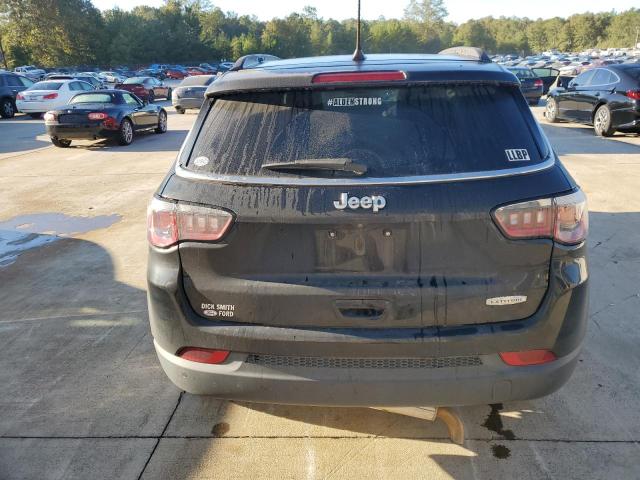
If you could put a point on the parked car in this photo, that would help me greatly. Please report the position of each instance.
(175, 74)
(11, 85)
(548, 75)
(607, 98)
(112, 77)
(224, 66)
(190, 92)
(112, 114)
(209, 67)
(530, 85)
(30, 72)
(49, 95)
(147, 88)
(196, 71)
(371, 233)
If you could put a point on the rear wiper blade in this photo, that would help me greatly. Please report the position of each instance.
(341, 164)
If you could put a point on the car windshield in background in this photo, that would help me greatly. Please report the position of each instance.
(46, 86)
(392, 132)
(196, 80)
(522, 73)
(93, 98)
(134, 80)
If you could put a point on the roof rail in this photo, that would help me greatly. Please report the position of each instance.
(471, 53)
(252, 61)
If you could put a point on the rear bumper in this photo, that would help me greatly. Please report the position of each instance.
(491, 382)
(559, 325)
(187, 103)
(80, 132)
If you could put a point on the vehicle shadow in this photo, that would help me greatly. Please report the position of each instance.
(19, 134)
(569, 139)
(145, 141)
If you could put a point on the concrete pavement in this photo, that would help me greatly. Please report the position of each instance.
(83, 396)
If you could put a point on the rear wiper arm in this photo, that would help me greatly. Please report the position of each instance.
(341, 164)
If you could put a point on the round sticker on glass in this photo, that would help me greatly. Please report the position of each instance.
(200, 161)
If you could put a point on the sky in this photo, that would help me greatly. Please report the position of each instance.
(459, 10)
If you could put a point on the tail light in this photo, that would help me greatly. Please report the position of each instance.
(50, 96)
(169, 223)
(537, 83)
(97, 116)
(50, 117)
(203, 355)
(111, 123)
(564, 219)
(633, 94)
(358, 77)
(19, 97)
(528, 357)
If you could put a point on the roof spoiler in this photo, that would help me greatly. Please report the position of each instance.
(252, 60)
(470, 53)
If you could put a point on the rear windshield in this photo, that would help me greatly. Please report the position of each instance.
(93, 98)
(422, 130)
(197, 80)
(522, 73)
(46, 86)
(134, 80)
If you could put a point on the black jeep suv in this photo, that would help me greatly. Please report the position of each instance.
(395, 231)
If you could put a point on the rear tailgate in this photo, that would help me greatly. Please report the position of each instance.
(431, 255)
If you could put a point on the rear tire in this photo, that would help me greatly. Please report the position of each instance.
(602, 122)
(7, 110)
(180, 110)
(551, 110)
(125, 136)
(162, 122)
(35, 115)
(60, 142)
(151, 97)
(169, 94)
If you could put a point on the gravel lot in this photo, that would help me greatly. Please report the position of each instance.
(83, 395)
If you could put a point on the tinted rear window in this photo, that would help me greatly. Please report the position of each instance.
(523, 73)
(197, 80)
(422, 130)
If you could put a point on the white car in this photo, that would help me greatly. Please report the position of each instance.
(49, 95)
(30, 72)
(112, 77)
(97, 76)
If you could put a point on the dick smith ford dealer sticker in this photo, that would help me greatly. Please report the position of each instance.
(218, 309)
(517, 155)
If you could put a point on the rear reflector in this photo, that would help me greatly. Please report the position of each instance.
(633, 94)
(168, 223)
(564, 219)
(528, 357)
(359, 77)
(203, 355)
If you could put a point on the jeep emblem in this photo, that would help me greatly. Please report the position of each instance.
(375, 202)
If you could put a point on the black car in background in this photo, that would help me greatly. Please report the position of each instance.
(113, 114)
(10, 85)
(531, 86)
(190, 92)
(393, 231)
(607, 98)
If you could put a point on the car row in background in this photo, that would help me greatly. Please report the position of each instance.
(606, 97)
(103, 114)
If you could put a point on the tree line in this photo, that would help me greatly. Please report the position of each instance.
(75, 32)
